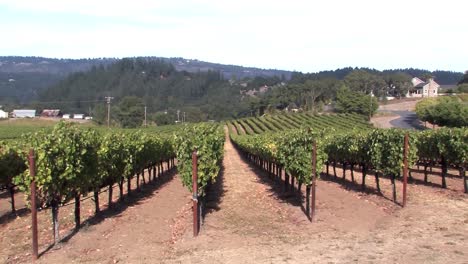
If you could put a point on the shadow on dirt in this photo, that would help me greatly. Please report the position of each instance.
(214, 193)
(128, 200)
(286, 193)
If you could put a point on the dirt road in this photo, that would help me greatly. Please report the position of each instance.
(399, 114)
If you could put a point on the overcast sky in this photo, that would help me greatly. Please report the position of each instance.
(306, 36)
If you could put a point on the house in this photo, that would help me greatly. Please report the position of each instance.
(423, 89)
(50, 113)
(3, 114)
(78, 116)
(66, 116)
(22, 113)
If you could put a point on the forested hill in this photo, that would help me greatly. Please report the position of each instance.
(442, 77)
(23, 78)
(154, 83)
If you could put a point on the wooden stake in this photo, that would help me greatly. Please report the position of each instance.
(32, 171)
(405, 169)
(195, 193)
(314, 173)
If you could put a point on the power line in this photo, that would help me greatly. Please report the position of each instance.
(66, 102)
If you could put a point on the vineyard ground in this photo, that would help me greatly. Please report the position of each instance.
(142, 220)
(250, 220)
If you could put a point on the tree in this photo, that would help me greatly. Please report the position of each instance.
(162, 118)
(463, 88)
(365, 82)
(130, 112)
(348, 101)
(443, 111)
(398, 83)
(427, 76)
(423, 109)
(316, 89)
(464, 79)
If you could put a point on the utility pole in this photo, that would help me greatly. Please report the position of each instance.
(178, 112)
(108, 99)
(145, 115)
(184, 117)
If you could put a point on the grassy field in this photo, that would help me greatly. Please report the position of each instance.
(463, 97)
(14, 128)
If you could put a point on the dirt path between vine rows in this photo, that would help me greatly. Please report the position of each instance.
(254, 222)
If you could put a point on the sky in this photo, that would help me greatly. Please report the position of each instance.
(298, 35)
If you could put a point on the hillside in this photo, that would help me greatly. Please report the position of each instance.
(22, 79)
(156, 84)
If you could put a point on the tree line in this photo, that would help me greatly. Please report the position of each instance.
(169, 95)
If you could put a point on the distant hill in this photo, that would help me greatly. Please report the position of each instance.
(155, 82)
(22, 79)
(442, 77)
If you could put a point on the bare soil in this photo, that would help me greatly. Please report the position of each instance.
(400, 105)
(383, 121)
(249, 219)
(391, 111)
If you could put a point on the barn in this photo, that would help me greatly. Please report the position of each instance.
(3, 114)
(22, 113)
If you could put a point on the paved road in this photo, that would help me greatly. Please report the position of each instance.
(407, 119)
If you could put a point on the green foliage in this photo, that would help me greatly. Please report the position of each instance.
(443, 111)
(208, 141)
(463, 88)
(424, 108)
(399, 83)
(113, 157)
(66, 162)
(464, 78)
(14, 129)
(377, 149)
(449, 143)
(463, 97)
(202, 95)
(386, 150)
(11, 164)
(348, 101)
(71, 160)
(130, 112)
(161, 118)
(295, 152)
(381, 149)
(365, 82)
(281, 122)
(308, 94)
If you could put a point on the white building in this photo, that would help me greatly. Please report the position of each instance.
(3, 114)
(78, 116)
(66, 116)
(22, 113)
(424, 89)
